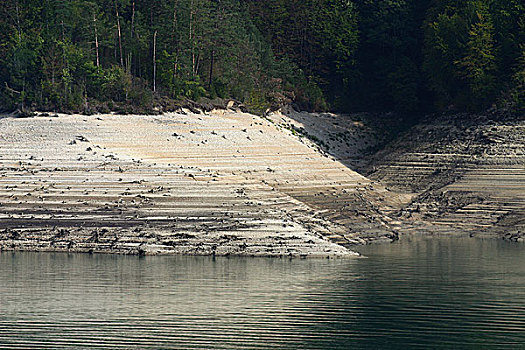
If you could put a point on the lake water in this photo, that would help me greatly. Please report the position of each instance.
(427, 293)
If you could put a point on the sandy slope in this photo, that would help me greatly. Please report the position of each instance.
(224, 183)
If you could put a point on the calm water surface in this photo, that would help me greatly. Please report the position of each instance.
(428, 293)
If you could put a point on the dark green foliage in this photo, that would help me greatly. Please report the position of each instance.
(401, 55)
(516, 95)
(388, 58)
(65, 54)
(397, 55)
(319, 36)
(472, 51)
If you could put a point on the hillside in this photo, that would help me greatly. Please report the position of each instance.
(464, 172)
(232, 183)
(221, 183)
(468, 172)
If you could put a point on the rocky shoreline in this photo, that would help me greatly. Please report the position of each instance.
(225, 182)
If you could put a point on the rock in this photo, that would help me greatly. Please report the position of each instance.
(22, 113)
(81, 138)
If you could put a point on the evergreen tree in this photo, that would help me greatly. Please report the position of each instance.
(478, 64)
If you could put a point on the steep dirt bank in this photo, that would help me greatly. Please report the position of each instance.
(468, 172)
(225, 183)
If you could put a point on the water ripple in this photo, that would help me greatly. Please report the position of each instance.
(440, 294)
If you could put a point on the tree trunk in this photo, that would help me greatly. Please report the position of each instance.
(119, 36)
(175, 41)
(19, 29)
(154, 62)
(212, 53)
(130, 55)
(191, 41)
(96, 38)
(197, 63)
(132, 19)
(212, 59)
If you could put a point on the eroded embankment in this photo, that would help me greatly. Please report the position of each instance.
(468, 172)
(221, 183)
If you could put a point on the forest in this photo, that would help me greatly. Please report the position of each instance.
(406, 56)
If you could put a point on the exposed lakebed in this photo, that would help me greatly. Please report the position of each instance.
(424, 293)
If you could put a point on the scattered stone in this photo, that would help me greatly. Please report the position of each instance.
(81, 138)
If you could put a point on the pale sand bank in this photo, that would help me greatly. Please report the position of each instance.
(225, 183)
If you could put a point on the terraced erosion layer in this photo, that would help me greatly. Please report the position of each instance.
(225, 183)
(468, 172)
